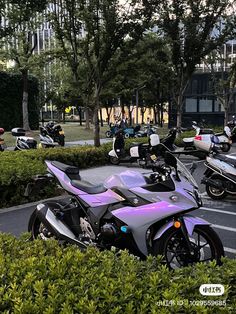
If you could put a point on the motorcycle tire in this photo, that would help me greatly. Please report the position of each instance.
(172, 242)
(114, 160)
(108, 134)
(61, 141)
(126, 135)
(225, 147)
(214, 193)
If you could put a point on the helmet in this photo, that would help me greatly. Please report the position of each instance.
(2, 131)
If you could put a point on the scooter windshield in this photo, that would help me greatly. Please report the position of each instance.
(185, 173)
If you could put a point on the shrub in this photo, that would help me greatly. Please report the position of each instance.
(43, 277)
(17, 168)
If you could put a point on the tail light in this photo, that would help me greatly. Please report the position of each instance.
(198, 137)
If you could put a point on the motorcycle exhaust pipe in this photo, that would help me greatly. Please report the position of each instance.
(56, 226)
(215, 184)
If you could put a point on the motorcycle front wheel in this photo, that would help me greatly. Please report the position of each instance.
(205, 244)
(61, 141)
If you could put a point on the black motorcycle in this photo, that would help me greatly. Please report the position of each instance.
(55, 132)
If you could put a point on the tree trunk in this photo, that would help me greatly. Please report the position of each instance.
(155, 114)
(25, 113)
(96, 118)
(179, 110)
(63, 116)
(87, 123)
(108, 110)
(80, 116)
(101, 120)
(226, 115)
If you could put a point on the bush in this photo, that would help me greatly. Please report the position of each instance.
(43, 277)
(17, 169)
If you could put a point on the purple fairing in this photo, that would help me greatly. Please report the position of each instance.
(93, 200)
(127, 179)
(145, 214)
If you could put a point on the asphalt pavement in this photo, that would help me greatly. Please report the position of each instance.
(221, 214)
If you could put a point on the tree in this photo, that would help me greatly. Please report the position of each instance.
(96, 30)
(193, 29)
(23, 18)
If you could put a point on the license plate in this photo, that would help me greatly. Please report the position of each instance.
(61, 132)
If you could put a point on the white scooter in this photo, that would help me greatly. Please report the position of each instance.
(206, 134)
(137, 151)
(23, 142)
(220, 175)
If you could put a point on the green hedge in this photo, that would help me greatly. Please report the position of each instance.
(43, 277)
(18, 167)
(11, 92)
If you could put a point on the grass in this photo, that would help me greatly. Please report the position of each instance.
(73, 132)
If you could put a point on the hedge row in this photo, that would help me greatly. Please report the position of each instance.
(18, 167)
(43, 277)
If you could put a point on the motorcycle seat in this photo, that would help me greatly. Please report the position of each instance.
(188, 139)
(224, 158)
(219, 134)
(71, 171)
(88, 187)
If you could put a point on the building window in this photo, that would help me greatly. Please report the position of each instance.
(205, 105)
(191, 105)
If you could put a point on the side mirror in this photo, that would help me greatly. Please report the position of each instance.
(170, 160)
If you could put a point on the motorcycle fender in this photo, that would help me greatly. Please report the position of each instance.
(112, 153)
(190, 223)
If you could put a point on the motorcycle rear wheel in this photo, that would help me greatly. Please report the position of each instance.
(214, 193)
(225, 147)
(205, 242)
(108, 134)
(114, 160)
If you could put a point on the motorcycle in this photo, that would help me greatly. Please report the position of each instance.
(147, 131)
(220, 175)
(137, 152)
(55, 132)
(2, 143)
(23, 142)
(169, 142)
(45, 140)
(98, 216)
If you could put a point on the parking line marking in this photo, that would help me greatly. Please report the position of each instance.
(218, 211)
(229, 250)
(224, 228)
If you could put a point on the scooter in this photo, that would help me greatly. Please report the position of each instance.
(169, 142)
(45, 140)
(55, 132)
(220, 175)
(2, 143)
(97, 216)
(137, 152)
(23, 142)
(206, 134)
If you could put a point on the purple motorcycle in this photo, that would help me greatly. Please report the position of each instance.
(146, 215)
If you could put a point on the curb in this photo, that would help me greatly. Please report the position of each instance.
(27, 205)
